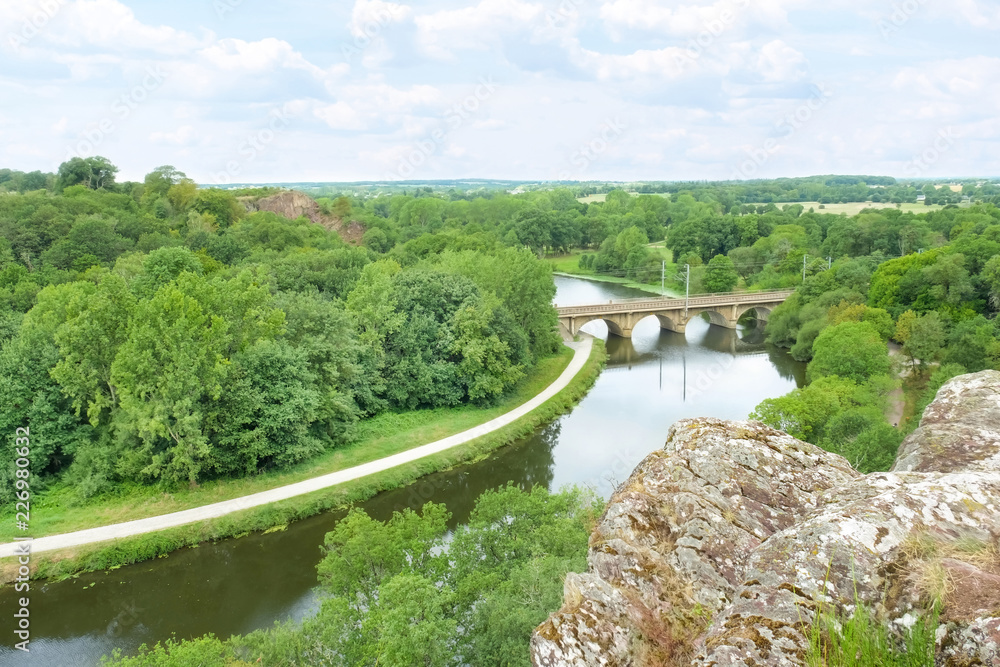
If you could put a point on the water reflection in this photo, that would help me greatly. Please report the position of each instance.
(236, 586)
(658, 377)
(527, 463)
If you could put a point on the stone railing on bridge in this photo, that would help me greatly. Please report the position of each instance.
(673, 314)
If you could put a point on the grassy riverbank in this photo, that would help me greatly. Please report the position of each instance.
(569, 265)
(382, 436)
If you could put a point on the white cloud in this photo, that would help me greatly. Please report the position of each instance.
(254, 57)
(389, 100)
(779, 62)
(182, 136)
(478, 27)
(977, 13)
(667, 63)
(370, 17)
(564, 67)
(340, 116)
(112, 26)
(971, 84)
(694, 20)
(491, 124)
(774, 62)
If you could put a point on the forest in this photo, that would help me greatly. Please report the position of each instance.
(927, 285)
(159, 334)
(162, 334)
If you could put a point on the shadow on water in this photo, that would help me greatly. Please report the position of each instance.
(235, 586)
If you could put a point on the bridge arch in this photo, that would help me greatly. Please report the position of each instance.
(762, 313)
(717, 318)
(614, 327)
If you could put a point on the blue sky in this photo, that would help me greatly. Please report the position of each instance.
(254, 91)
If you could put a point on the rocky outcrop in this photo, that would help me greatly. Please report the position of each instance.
(293, 205)
(959, 430)
(722, 547)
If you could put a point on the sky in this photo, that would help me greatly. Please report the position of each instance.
(245, 91)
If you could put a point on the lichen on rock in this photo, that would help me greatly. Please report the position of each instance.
(721, 547)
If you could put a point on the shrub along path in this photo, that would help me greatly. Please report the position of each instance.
(138, 527)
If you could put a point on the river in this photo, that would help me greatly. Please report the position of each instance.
(239, 585)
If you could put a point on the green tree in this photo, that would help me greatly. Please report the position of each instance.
(880, 319)
(162, 266)
(926, 338)
(720, 275)
(90, 241)
(852, 350)
(182, 194)
(220, 204)
(904, 325)
(398, 597)
(412, 623)
(488, 365)
(991, 277)
(974, 344)
(746, 262)
(96, 326)
(533, 228)
(94, 173)
(174, 356)
(627, 242)
(523, 284)
(363, 554)
(949, 280)
(372, 305)
(159, 181)
(265, 410)
(805, 412)
(32, 398)
(377, 240)
(862, 436)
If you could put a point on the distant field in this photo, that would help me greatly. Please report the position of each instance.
(853, 208)
(591, 199)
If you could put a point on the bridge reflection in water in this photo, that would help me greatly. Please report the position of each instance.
(651, 344)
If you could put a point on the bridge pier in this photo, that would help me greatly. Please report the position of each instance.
(673, 322)
(730, 314)
(616, 328)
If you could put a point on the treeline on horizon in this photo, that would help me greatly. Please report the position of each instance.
(823, 189)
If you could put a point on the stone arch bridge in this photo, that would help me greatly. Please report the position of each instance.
(723, 310)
